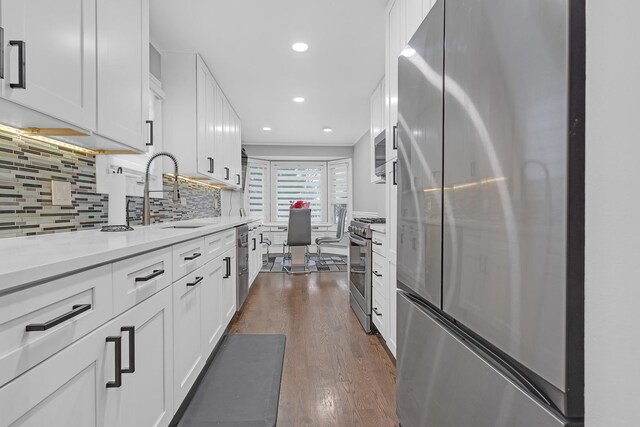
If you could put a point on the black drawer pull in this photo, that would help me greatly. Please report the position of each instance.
(1, 53)
(375, 273)
(395, 169)
(76, 310)
(227, 274)
(192, 257)
(153, 275)
(22, 64)
(211, 164)
(261, 238)
(238, 180)
(375, 310)
(226, 173)
(375, 242)
(132, 349)
(395, 137)
(118, 362)
(198, 280)
(254, 244)
(150, 123)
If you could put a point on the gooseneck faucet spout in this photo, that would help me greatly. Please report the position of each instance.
(146, 211)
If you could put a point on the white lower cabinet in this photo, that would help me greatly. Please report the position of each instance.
(229, 282)
(82, 385)
(211, 316)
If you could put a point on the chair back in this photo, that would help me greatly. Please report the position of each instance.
(299, 232)
(342, 215)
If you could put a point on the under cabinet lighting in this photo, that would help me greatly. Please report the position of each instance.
(300, 47)
(29, 133)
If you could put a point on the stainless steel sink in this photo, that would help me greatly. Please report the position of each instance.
(186, 226)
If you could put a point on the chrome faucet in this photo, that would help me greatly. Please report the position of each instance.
(146, 208)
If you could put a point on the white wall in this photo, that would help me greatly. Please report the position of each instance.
(367, 197)
(612, 274)
(231, 202)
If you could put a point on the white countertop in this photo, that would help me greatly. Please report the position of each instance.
(25, 260)
(380, 228)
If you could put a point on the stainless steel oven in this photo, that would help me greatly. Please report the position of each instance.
(360, 278)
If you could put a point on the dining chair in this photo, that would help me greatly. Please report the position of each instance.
(342, 214)
(298, 237)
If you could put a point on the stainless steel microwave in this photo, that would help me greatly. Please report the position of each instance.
(380, 157)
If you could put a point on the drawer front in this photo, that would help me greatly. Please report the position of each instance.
(187, 257)
(379, 243)
(78, 303)
(136, 279)
(214, 245)
(379, 272)
(228, 240)
(379, 312)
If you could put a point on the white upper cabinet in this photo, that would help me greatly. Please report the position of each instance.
(201, 127)
(123, 70)
(377, 125)
(56, 42)
(413, 17)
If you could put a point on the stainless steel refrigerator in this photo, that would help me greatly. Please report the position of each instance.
(491, 216)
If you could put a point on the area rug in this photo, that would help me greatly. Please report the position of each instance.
(327, 263)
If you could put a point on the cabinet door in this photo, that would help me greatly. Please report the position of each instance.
(395, 44)
(211, 316)
(60, 57)
(392, 308)
(219, 135)
(202, 131)
(226, 124)
(229, 288)
(413, 17)
(189, 356)
(123, 70)
(146, 395)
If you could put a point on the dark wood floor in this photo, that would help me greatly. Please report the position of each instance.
(334, 374)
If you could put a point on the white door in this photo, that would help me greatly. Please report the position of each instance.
(57, 39)
(189, 356)
(123, 70)
(145, 397)
(211, 314)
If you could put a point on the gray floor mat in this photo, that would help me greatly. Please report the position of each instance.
(241, 388)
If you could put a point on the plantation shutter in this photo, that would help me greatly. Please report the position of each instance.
(299, 181)
(339, 182)
(257, 193)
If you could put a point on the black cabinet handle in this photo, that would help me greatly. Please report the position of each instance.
(150, 123)
(195, 282)
(192, 257)
(118, 362)
(22, 64)
(211, 164)
(76, 310)
(375, 310)
(261, 238)
(1, 53)
(395, 137)
(238, 180)
(254, 243)
(227, 274)
(395, 168)
(132, 349)
(153, 275)
(226, 173)
(375, 242)
(375, 273)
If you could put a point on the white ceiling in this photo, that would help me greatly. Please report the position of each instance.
(247, 45)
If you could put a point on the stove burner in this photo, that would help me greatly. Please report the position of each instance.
(371, 220)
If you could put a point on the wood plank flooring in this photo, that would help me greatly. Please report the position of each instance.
(334, 374)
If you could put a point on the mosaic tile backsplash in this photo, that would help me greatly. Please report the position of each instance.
(27, 168)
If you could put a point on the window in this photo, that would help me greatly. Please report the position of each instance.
(293, 181)
(272, 186)
(257, 189)
(339, 187)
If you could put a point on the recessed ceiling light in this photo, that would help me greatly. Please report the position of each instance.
(300, 47)
(327, 129)
(408, 51)
(266, 129)
(298, 99)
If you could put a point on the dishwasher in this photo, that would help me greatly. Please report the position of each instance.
(242, 235)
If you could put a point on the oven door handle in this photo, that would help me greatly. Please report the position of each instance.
(358, 240)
